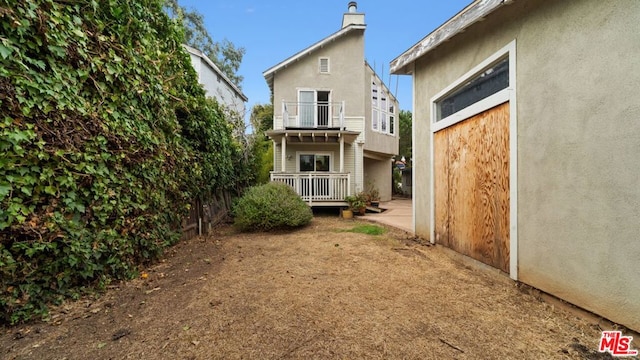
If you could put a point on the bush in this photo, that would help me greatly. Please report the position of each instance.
(270, 206)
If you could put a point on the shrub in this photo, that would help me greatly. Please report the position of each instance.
(270, 206)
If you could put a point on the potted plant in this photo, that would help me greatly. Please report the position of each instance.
(357, 203)
(373, 195)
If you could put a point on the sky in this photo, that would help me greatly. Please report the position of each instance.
(272, 30)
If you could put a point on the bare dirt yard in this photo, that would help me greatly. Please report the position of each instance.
(319, 292)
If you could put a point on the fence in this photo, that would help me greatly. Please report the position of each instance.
(204, 215)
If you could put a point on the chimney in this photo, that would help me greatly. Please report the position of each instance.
(352, 17)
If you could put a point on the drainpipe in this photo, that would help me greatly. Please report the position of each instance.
(341, 154)
(283, 156)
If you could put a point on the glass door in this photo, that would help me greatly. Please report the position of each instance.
(316, 185)
(306, 109)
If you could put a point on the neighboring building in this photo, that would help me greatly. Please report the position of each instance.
(527, 145)
(335, 122)
(216, 83)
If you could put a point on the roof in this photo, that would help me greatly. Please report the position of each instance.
(215, 68)
(269, 73)
(474, 12)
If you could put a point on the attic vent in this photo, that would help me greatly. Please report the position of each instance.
(324, 65)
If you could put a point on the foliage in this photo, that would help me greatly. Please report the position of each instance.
(106, 136)
(262, 120)
(367, 229)
(356, 202)
(372, 193)
(270, 206)
(224, 54)
(406, 143)
(397, 181)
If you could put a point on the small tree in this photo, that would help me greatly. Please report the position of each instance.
(406, 145)
(262, 121)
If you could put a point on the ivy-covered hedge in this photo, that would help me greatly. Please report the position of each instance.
(105, 137)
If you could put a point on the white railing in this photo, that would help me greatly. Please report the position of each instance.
(317, 186)
(313, 115)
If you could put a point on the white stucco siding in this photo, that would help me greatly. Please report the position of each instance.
(346, 60)
(578, 200)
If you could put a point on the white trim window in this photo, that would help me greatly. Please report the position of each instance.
(374, 106)
(383, 113)
(392, 118)
(490, 83)
(382, 109)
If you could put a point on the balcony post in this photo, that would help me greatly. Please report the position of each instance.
(341, 154)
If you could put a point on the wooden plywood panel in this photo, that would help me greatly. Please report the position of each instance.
(477, 189)
(441, 183)
(462, 197)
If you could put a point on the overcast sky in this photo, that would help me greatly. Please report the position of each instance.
(272, 30)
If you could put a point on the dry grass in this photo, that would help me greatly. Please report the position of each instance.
(319, 292)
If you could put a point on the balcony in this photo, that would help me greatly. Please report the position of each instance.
(318, 188)
(313, 115)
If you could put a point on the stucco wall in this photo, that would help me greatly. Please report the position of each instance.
(578, 196)
(377, 173)
(345, 80)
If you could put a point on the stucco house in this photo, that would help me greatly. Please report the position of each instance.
(216, 83)
(527, 145)
(335, 127)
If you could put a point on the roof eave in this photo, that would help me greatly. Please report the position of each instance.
(468, 16)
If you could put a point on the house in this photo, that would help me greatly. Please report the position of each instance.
(335, 127)
(527, 143)
(216, 83)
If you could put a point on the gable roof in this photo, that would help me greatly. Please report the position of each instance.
(468, 16)
(269, 73)
(215, 68)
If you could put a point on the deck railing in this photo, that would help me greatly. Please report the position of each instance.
(317, 187)
(313, 115)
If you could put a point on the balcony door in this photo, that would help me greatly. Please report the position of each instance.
(314, 109)
(316, 185)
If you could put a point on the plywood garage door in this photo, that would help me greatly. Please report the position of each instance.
(471, 160)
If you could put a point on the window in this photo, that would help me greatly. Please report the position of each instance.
(324, 65)
(374, 106)
(382, 109)
(383, 113)
(391, 119)
(490, 81)
(314, 162)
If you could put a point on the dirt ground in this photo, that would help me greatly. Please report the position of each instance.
(318, 292)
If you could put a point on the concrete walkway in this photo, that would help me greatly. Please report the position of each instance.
(398, 213)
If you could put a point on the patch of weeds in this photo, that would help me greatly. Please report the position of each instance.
(367, 229)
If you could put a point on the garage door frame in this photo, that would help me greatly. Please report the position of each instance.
(505, 95)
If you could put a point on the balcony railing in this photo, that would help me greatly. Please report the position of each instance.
(317, 187)
(313, 115)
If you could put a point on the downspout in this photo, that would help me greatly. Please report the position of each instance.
(283, 155)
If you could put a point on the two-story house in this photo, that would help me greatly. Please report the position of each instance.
(335, 127)
(215, 83)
